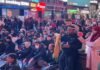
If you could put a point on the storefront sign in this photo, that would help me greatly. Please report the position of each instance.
(13, 2)
(24, 3)
(41, 6)
(72, 11)
(14, 7)
(80, 3)
(35, 1)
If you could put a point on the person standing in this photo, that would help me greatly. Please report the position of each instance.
(92, 45)
(11, 63)
(69, 56)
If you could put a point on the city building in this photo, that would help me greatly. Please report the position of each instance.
(13, 7)
(79, 3)
(77, 6)
(55, 6)
(93, 8)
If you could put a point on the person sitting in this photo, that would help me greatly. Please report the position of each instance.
(11, 63)
(10, 46)
(48, 41)
(38, 59)
(49, 54)
(24, 54)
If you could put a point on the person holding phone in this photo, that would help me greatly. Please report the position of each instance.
(69, 57)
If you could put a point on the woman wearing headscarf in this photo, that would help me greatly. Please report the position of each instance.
(92, 45)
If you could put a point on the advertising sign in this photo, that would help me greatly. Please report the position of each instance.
(72, 11)
(35, 1)
(24, 3)
(12, 2)
(33, 5)
(41, 6)
(79, 2)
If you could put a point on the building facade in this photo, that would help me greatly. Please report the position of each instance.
(93, 8)
(9, 7)
(79, 3)
(56, 6)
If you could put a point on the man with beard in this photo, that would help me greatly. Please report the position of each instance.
(71, 44)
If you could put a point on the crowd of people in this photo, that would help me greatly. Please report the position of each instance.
(48, 44)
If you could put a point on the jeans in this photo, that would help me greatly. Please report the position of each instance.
(69, 62)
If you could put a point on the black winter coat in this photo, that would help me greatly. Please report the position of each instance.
(10, 67)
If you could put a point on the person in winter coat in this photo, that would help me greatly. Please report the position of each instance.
(25, 53)
(11, 63)
(10, 46)
(70, 54)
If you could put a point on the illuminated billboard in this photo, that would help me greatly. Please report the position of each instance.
(79, 2)
(35, 1)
